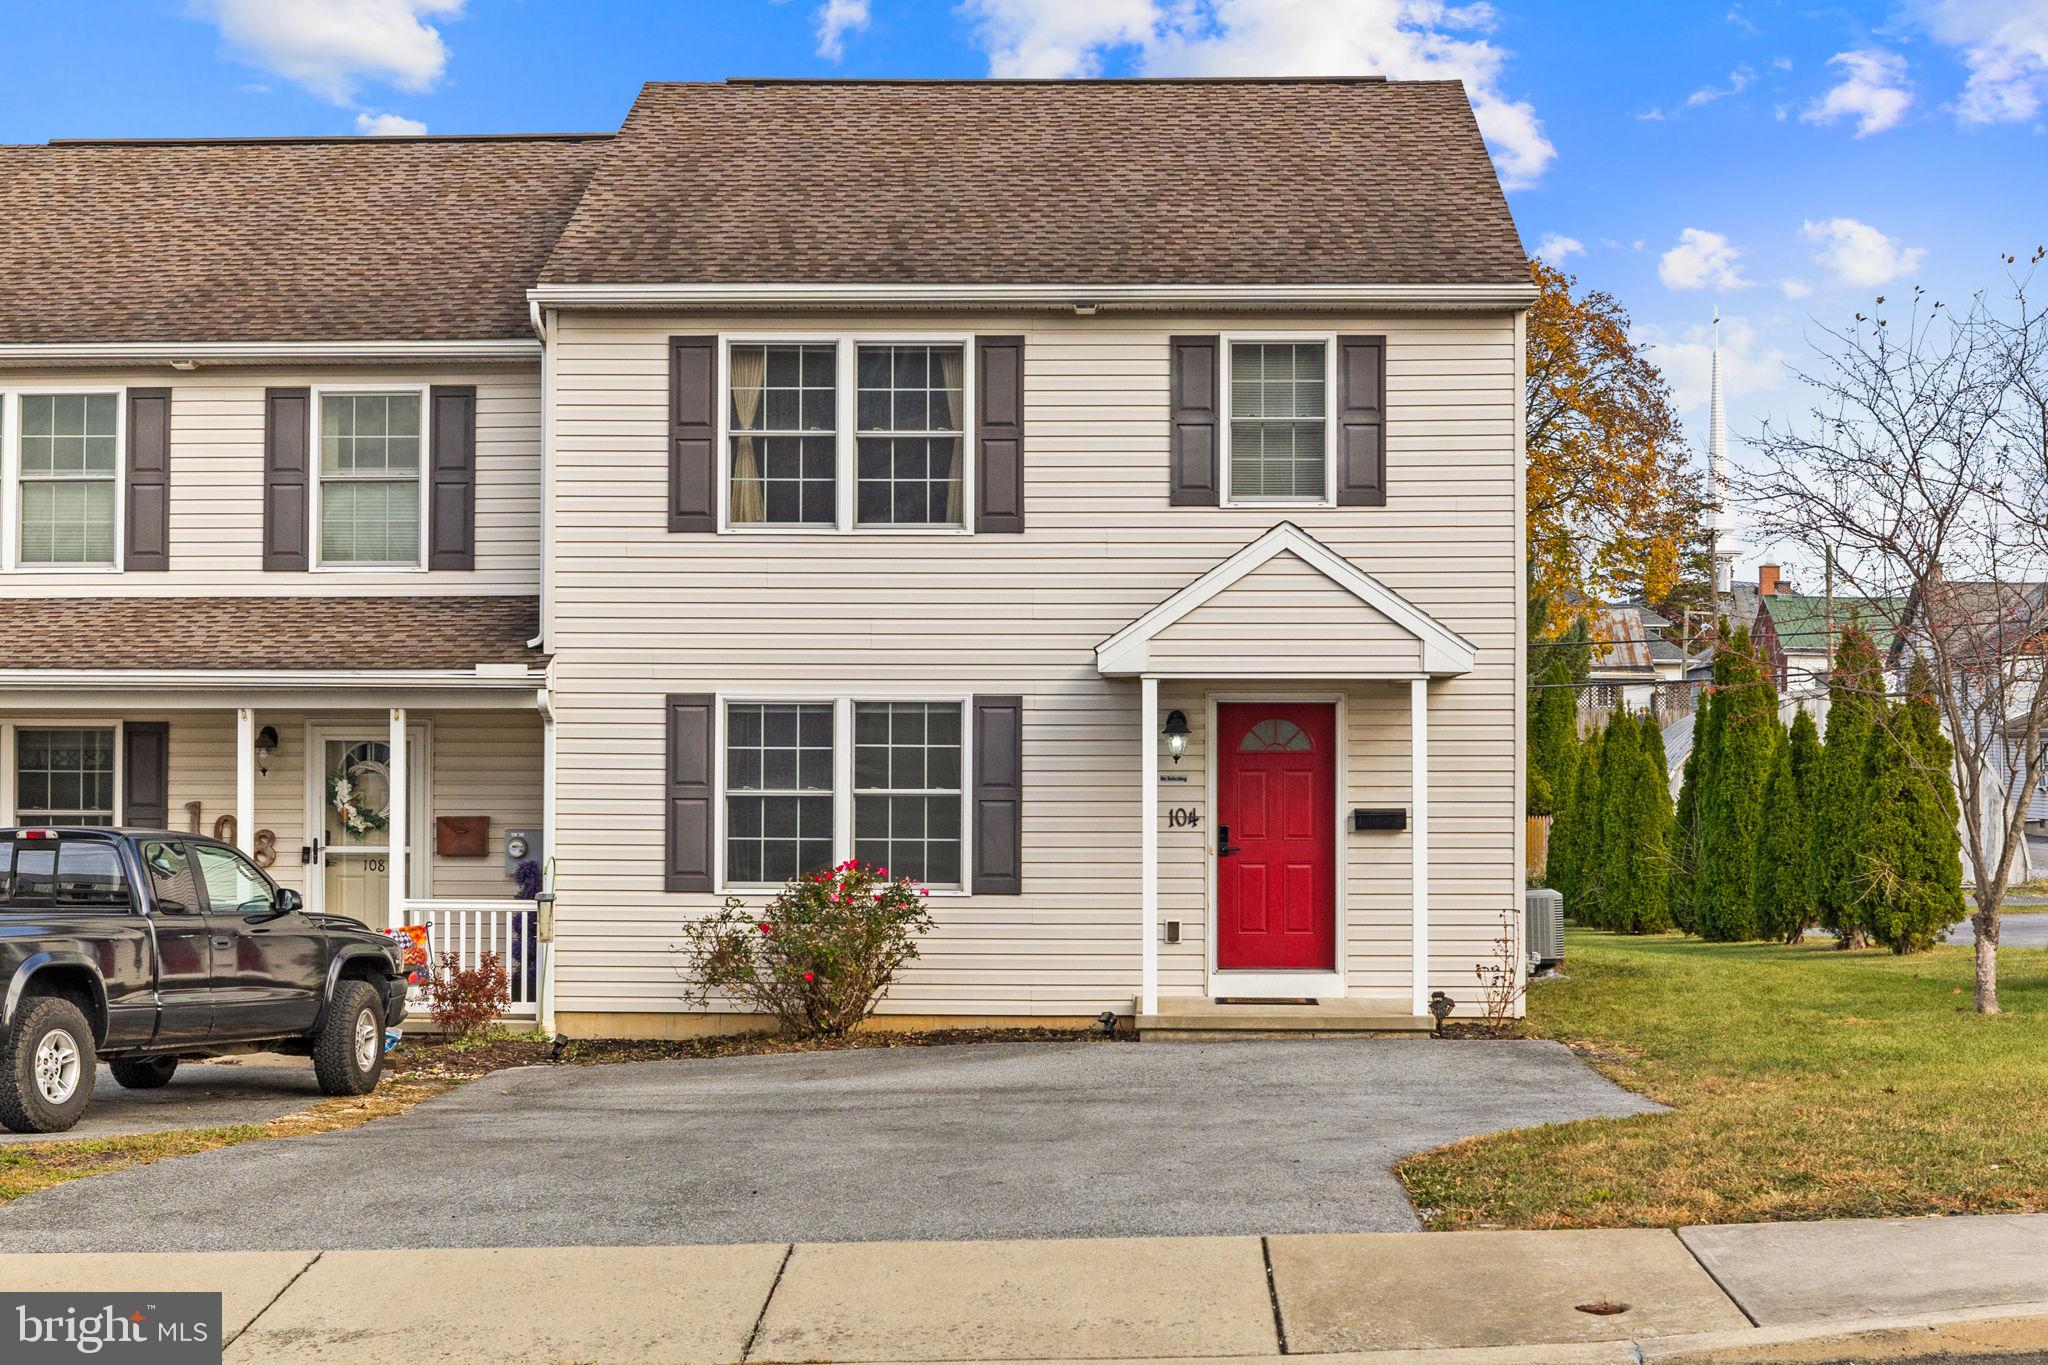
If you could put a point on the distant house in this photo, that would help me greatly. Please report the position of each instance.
(1632, 665)
(1797, 634)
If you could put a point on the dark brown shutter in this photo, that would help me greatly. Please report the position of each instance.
(149, 481)
(999, 435)
(1192, 387)
(1361, 421)
(998, 796)
(693, 434)
(287, 415)
(146, 774)
(451, 532)
(691, 733)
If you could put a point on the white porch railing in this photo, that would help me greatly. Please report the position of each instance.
(469, 929)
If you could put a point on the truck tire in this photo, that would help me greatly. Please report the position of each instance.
(47, 1080)
(348, 1052)
(149, 1073)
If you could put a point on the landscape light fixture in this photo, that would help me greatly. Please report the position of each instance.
(1176, 733)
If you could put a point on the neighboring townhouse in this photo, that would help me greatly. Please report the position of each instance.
(270, 486)
(1101, 501)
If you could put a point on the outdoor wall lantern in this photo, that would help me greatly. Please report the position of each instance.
(266, 748)
(1176, 733)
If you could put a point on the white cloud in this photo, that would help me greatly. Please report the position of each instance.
(1739, 80)
(332, 46)
(1401, 39)
(1702, 259)
(836, 19)
(1794, 289)
(2004, 46)
(1748, 365)
(1874, 91)
(1858, 254)
(1555, 246)
(388, 125)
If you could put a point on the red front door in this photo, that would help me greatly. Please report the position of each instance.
(1276, 831)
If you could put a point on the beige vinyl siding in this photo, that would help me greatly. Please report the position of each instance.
(1284, 619)
(216, 490)
(638, 613)
(479, 763)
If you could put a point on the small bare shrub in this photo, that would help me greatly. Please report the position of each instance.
(468, 1002)
(1501, 981)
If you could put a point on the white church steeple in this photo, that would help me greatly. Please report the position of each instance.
(1719, 523)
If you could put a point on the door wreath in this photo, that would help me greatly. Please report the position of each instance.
(344, 796)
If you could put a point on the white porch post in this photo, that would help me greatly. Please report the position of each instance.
(1418, 748)
(397, 818)
(245, 779)
(549, 799)
(1148, 846)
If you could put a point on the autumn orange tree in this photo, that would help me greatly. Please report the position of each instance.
(1613, 509)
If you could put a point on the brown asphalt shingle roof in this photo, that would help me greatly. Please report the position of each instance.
(350, 239)
(1085, 182)
(268, 633)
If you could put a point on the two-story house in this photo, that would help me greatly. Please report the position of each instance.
(1099, 500)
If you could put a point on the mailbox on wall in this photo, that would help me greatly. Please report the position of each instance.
(1394, 817)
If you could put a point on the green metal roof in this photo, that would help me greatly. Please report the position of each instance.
(1801, 621)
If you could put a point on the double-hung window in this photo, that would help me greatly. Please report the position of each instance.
(371, 477)
(64, 775)
(845, 434)
(68, 457)
(786, 789)
(1279, 421)
(778, 783)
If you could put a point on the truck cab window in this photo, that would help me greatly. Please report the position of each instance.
(171, 883)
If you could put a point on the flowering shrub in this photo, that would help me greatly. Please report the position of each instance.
(819, 957)
(468, 1002)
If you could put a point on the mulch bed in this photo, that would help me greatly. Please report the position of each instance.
(430, 1057)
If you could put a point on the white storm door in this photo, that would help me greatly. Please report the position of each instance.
(348, 792)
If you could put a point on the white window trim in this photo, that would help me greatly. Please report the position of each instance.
(842, 778)
(1226, 344)
(314, 478)
(10, 754)
(10, 477)
(845, 465)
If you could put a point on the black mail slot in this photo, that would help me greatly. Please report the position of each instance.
(1396, 818)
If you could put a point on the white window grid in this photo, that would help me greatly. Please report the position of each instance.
(894, 803)
(320, 478)
(11, 477)
(82, 737)
(845, 452)
(802, 794)
(842, 777)
(1226, 455)
(880, 446)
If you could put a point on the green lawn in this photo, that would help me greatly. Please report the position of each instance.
(1806, 1083)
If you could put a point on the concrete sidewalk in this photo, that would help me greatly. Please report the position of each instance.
(1728, 1294)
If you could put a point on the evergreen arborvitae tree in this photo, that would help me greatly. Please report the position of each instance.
(1582, 888)
(1685, 830)
(1554, 719)
(1805, 742)
(1563, 821)
(1908, 853)
(1730, 799)
(1840, 797)
(1783, 884)
(1649, 806)
(1613, 852)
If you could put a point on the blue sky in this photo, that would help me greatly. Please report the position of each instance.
(1784, 161)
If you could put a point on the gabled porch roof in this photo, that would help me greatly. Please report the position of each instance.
(1286, 605)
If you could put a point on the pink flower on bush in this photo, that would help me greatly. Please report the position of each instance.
(810, 976)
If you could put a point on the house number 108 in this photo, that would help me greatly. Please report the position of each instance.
(1183, 817)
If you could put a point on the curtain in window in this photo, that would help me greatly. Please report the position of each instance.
(749, 369)
(951, 365)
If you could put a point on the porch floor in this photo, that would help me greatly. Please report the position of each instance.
(1201, 1019)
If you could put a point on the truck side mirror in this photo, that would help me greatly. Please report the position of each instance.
(287, 901)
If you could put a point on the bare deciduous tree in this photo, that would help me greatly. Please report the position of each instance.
(1921, 471)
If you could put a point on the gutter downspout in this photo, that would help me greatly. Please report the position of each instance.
(545, 702)
(539, 318)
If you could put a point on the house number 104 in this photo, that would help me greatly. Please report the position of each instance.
(1183, 817)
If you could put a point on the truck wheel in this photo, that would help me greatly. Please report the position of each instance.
(150, 1073)
(348, 1053)
(47, 1080)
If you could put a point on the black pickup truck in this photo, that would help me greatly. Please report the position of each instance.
(145, 948)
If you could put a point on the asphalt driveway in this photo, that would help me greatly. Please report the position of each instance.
(983, 1141)
(249, 1089)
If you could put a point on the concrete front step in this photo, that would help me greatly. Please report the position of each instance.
(1198, 1019)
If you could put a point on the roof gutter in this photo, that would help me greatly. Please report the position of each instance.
(189, 354)
(483, 676)
(1080, 298)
